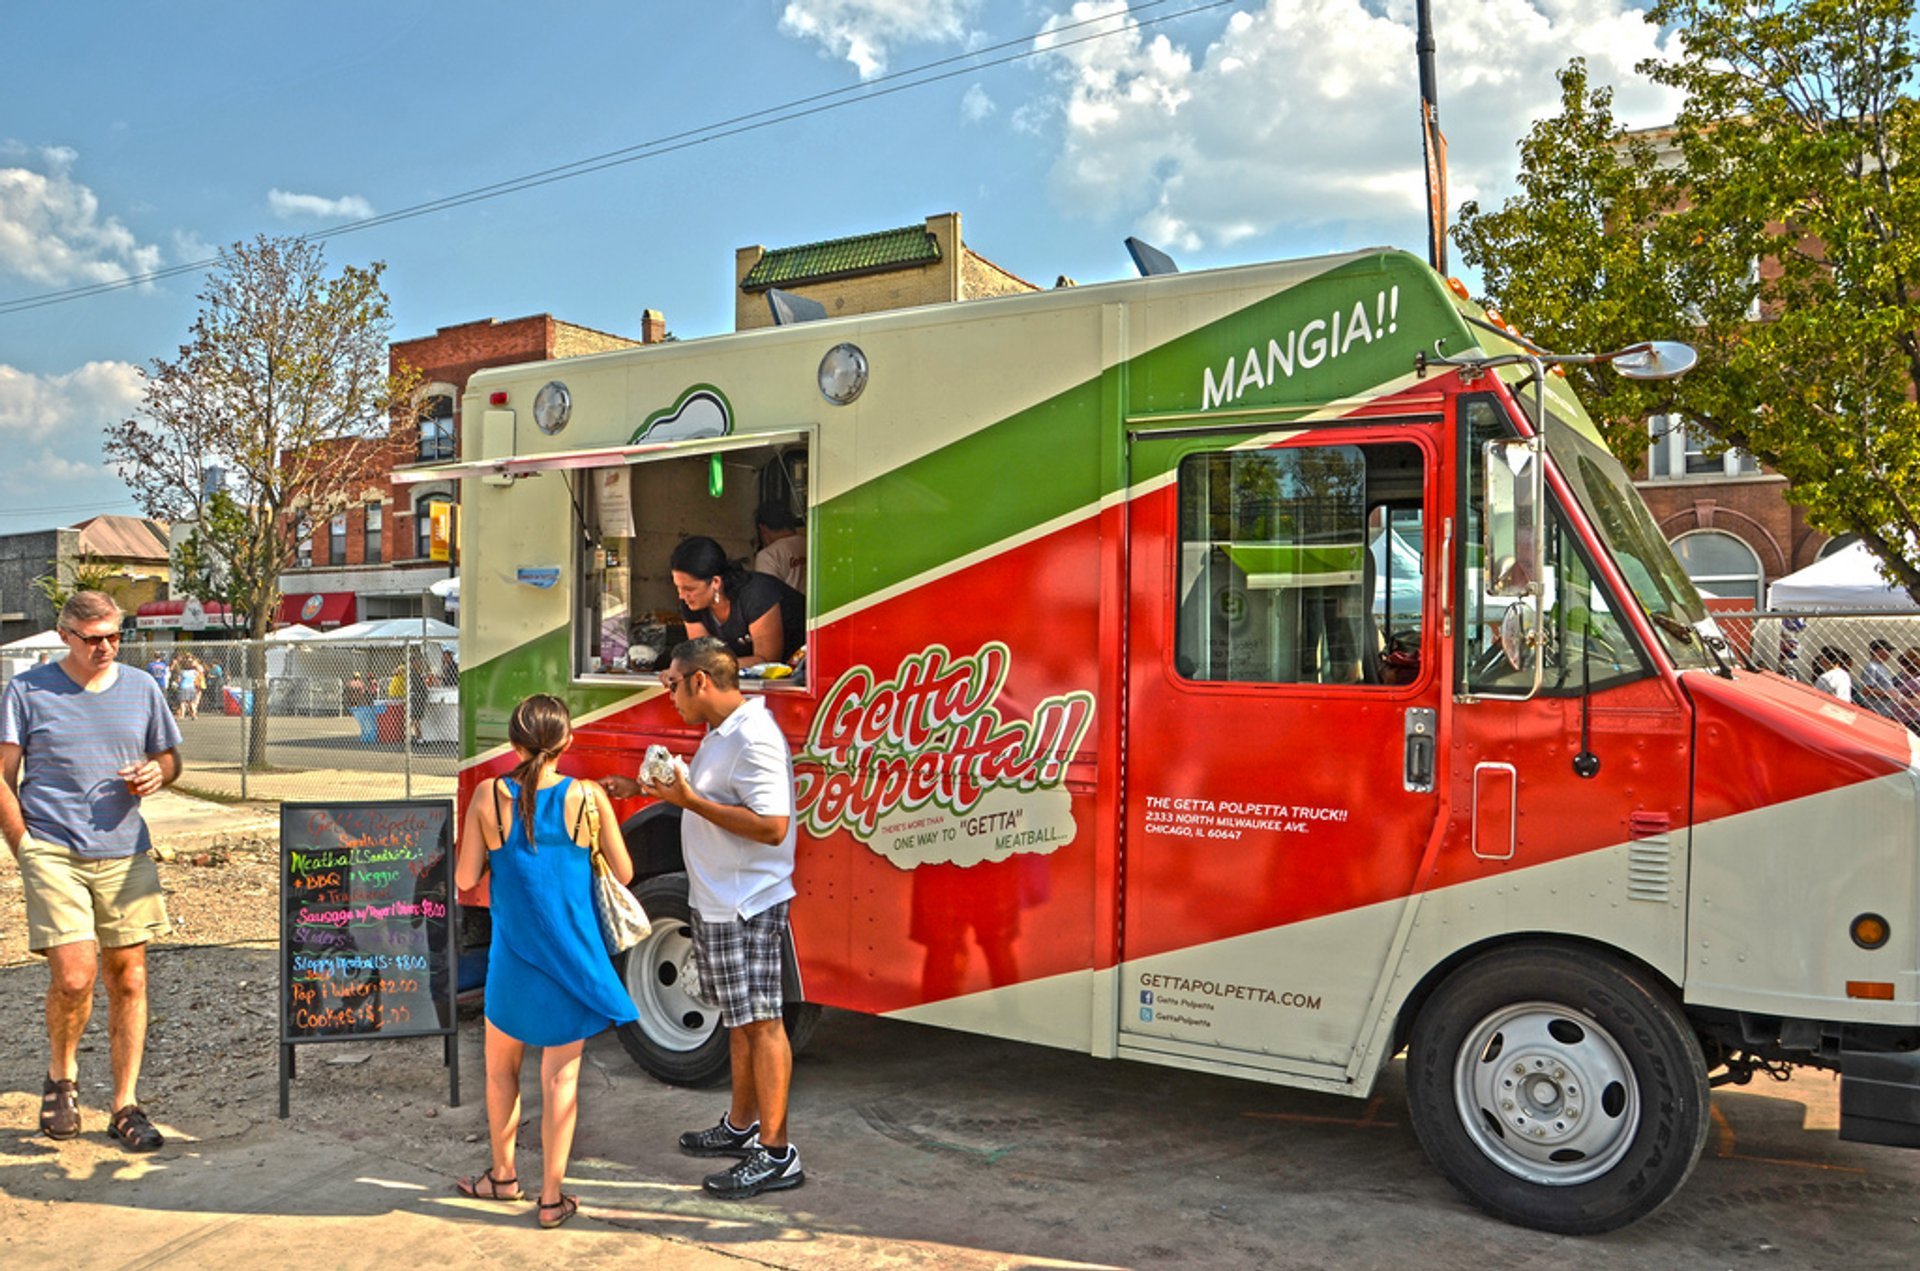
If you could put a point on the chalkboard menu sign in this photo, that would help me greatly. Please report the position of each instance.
(366, 926)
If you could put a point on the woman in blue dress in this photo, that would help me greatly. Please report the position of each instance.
(549, 980)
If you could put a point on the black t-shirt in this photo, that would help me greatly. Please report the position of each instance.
(759, 593)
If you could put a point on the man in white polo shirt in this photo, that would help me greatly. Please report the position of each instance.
(738, 842)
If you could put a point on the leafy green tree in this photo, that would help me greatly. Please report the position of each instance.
(87, 573)
(283, 387)
(1773, 226)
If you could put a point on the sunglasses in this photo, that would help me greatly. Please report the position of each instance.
(672, 683)
(94, 641)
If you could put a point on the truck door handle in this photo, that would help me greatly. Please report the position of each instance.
(1421, 748)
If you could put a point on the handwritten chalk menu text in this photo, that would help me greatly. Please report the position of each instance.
(366, 925)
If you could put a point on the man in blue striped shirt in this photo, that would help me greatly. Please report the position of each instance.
(82, 740)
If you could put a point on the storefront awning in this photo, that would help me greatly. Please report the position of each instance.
(603, 457)
(184, 615)
(321, 610)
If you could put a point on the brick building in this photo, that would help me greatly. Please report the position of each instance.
(888, 269)
(372, 558)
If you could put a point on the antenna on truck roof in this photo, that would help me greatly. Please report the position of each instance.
(789, 308)
(1150, 260)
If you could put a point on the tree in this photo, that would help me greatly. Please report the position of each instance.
(280, 402)
(1774, 227)
(87, 573)
(283, 387)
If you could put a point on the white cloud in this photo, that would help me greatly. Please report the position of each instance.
(53, 429)
(1303, 114)
(977, 104)
(864, 32)
(52, 231)
(287, 205)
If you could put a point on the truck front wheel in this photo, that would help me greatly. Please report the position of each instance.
(1557, 1089)
(678, 1037)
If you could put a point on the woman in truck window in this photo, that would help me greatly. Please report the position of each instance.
(758, 617)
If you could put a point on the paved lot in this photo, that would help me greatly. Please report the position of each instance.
(923, 1149)
(309, 756)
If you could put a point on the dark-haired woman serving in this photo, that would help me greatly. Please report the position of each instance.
(758, 617)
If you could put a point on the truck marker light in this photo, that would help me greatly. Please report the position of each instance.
(1869, 931)
(497, 398)
(1876, 990)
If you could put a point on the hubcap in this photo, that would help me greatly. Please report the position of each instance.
(1546, 1093)
(661, 980)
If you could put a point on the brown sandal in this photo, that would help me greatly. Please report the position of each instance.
(132, 1128)
(59, 1109)
(567, 1205)
(494, 1187)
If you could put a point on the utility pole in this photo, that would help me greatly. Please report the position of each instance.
(1432, 143)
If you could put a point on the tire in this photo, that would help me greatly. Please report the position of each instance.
(1557, 1089)
(678, 1038)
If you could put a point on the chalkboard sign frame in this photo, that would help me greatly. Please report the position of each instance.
(442, 976)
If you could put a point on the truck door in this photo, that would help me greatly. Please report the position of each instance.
(1282, 699)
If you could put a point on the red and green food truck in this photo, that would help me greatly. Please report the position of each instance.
(1265, 671)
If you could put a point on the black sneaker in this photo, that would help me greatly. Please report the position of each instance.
(758, 1173)
(721, 1140)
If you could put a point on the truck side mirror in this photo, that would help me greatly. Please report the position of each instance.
(1510, 513)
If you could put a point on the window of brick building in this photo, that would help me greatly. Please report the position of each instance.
(423, 524)
(303, 540)
(436, 429)
(337, 539)
(1721, 566)
(374, 514)
(1676, 452)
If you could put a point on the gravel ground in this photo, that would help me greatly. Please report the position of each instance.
(211, 1064)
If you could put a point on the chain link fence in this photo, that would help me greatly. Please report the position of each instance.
(1878, 650)
(311, 719)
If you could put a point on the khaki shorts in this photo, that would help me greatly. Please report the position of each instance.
(70, 898)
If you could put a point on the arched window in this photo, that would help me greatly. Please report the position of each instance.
(423, 524)
(1840, 544)
(1721, 566)
(436, 428)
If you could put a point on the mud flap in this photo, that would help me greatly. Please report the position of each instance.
(1880, 1098)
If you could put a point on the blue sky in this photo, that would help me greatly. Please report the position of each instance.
(135, 137)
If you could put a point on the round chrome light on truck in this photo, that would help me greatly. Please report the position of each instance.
(843, 373)
(552, 407)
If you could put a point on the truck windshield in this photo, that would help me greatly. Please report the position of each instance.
(1663, 589)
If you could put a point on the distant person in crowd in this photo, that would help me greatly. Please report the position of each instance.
(449, 666)
(158, 670)
(419, 680)
(549, 981)
(1908, 682)
(187, 696)
(756, 616)
(783, 547)
(43, 658)
(1833, 672)
(356, 691)
(1876, 688)
(80, 745)
(216, 683)
(738, 840)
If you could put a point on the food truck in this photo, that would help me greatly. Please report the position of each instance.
(1264, 671)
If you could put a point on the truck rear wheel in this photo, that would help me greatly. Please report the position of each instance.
(1557, 1089)
(678, 1037)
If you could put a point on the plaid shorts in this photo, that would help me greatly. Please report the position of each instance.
(740, 964)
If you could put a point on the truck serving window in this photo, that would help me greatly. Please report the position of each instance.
(633, 515)
(1302, 565)
(1587, 644)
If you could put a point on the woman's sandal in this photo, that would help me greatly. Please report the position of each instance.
(484, 1186)
(567, 1205)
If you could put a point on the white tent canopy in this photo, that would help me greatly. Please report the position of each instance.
(1848, 579)
(393, 629)
(34, 643)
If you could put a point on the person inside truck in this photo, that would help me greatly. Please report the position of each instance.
(759, 618)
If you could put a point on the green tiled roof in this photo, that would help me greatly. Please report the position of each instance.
(841, 257)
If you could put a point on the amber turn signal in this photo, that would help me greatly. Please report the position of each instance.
(1869, 931)
(1873, 990)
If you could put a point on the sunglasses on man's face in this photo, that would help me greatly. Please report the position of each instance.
(672, 683)
(94, 641)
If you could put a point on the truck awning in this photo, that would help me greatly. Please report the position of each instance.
(601, 457)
